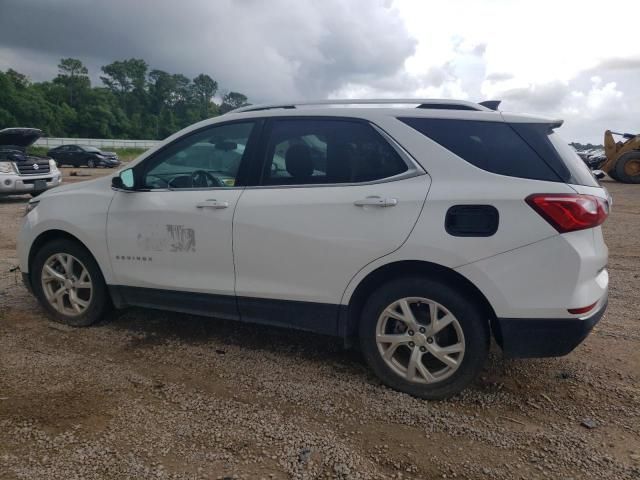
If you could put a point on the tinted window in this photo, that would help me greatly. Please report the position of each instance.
(556, 152)
(492, 146)
(317, 151)
(209, 158)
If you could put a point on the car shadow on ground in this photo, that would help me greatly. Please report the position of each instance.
(155, 327)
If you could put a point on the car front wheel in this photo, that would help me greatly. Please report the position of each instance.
(91, 163)
(423, 337)
(68, 283)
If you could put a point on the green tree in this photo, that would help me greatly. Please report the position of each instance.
(232, 100)
(204, 88)
(19, 80)
(74, 76)
(133, 103)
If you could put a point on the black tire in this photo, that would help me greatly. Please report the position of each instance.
(474, 325)
(91, 163)
(99, 303)
(612, 174)
(628, 161)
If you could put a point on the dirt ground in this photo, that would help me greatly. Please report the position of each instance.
(150, 394)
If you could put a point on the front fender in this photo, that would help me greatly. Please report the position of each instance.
(80, 213)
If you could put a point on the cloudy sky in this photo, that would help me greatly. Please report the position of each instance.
(558, 58)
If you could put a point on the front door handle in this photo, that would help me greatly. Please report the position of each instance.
(212, 203)
(376, 201)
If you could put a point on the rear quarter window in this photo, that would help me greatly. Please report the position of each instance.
(556, 152)
(492, 146)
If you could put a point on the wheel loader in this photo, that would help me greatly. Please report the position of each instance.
(623, 157)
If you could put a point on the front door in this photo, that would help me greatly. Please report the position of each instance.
(175, 234)
(334, 196)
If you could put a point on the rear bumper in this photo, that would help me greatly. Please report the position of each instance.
(545, 337)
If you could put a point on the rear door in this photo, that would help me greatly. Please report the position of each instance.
(333, 195)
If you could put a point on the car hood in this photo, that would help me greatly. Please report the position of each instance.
(100, 183)
(19, 137)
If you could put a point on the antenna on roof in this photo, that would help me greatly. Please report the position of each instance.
(491, 104)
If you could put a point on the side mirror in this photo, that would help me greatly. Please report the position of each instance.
(124, 181)
(599, 174)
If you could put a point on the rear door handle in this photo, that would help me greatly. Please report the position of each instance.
(212, 203)
(376, 201)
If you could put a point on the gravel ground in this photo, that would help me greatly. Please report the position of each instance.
(151, 394)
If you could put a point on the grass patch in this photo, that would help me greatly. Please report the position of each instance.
(124, 154)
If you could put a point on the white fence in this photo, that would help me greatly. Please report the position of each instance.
(96, 142)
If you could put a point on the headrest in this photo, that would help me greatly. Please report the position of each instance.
(298, 161)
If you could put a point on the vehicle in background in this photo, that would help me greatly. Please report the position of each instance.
(22, 173)
(622, 158)
(592, 160)
(82, 155)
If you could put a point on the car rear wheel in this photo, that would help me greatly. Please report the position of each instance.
(68, 283)
(423, 338)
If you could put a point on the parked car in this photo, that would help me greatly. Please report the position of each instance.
(417, 232)
(82, 155)
(591, 160)
(21, 173)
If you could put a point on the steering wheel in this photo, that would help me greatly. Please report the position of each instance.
(203, 179)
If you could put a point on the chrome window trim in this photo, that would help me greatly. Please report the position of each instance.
(401, 176)
(414, 169)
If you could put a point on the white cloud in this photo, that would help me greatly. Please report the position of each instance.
(547, 57)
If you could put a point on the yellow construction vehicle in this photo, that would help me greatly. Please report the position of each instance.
(623, 157)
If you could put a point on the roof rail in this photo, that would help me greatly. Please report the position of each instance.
(420, 102)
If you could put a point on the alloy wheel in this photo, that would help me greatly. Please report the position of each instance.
(66, 284)
(420, 340)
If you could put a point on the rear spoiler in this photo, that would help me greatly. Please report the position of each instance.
(491, 104)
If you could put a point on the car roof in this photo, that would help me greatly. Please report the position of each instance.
(368, 110)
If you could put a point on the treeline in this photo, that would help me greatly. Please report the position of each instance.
(133, 102)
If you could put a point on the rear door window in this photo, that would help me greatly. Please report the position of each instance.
(307, 151)
(491, 146)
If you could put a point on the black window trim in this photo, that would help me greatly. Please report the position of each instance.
(244, 171)
(414, 169)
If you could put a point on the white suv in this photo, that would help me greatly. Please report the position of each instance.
(420, 232)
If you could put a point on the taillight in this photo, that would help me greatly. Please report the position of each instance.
(580, 310)
(570, 212)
